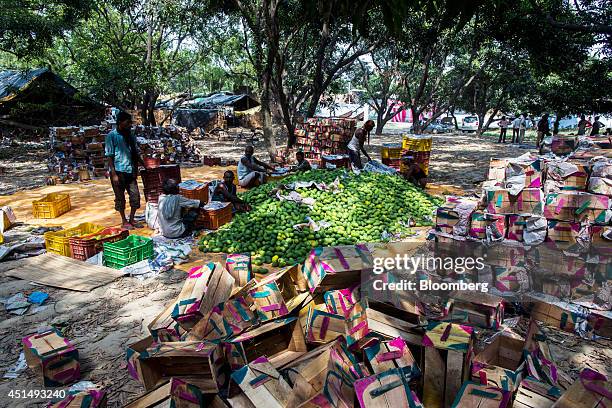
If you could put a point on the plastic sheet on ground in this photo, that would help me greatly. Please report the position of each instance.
(374, 166)
(312, 224)
(17, 368)
(33, 246)
(17, 304)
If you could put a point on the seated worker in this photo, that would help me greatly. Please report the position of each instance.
(225, 192)
(414, 173)
(172, 222)
(302, 163)
(251, 172)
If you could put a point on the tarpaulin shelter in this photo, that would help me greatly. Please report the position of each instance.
(39, 97)
(239, 102)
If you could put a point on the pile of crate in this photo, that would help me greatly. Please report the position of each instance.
(417, 146)
(77, 148)
(323, 136)
(153, 179)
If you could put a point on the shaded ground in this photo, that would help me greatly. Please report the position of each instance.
(101, 323)
(22, 166)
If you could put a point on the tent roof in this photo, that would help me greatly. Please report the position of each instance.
(13, 82)
(238, 101)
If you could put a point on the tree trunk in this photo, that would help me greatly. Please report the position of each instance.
(380, 121)
(266, 116)
(416, 120)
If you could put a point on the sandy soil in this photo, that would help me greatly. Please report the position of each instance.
(101, 323)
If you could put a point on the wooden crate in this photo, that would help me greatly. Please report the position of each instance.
(262, 384)
(310, 372)
(239, 266)
(176, 393)
(227, 319)
(369, 321)
(196, 362)
(275, 295)
(448, 353)
(52, 357)
(592, 389)
(392, 354)
(281, 340)
(341, 301)
(328, 268)
(164, 327)
(473, 395)
(319, 325)
(389, 389)
(535, 394)
(204, 288)
(553, 312)
(476, 309)
(500, 363)
(91, 398)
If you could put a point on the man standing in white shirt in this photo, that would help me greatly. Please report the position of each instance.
(516, 124)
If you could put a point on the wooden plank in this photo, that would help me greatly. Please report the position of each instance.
(433, 388)
(63, 272)
(454, 370)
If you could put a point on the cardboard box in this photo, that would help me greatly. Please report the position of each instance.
(564, 235)
(388, 389)
(176, 393)
(485, 226)
(275, 295)
(592, 389)
(531, 168)
(473, 395)
(263, 384)
(500, 363)
(601, 240)
(511, 279)
(369, 321)
(475, 309)
(546, 259)
(239, 266)
(281, 340)
(507, 255)
(53, 357)
(448, 353)
(328, 268)
(497, 169)
(577, 206)
(392, 354)
(92, 398)
(529, 201)
(535, 394)
(453, 217)
(553, 312)
(515, 228)
(499, 201)
(199, 363)
(205, 287)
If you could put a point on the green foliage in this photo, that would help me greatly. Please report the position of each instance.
(365, 206)
(28, 27)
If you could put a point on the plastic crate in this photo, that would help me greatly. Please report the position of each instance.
(127, 251)
(420, 143)
(51, 206)
(86, 246)
(199, 193)
(391, 151)
(336, 162)
(58, 242)
(395, 163)
(152, 162)
(212, 219)
(153, 179)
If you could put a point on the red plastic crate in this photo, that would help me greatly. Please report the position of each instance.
(152, 180)
(85, 246)
(213, 219)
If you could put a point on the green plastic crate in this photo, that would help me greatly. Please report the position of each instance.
(127, 251)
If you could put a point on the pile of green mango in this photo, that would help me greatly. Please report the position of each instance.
(364, 206)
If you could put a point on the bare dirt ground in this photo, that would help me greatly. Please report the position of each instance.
(103, 322)
(22, 166)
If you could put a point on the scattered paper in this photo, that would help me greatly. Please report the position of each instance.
(17, 368)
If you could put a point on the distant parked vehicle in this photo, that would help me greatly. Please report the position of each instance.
(469, 124)
(436, 127)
